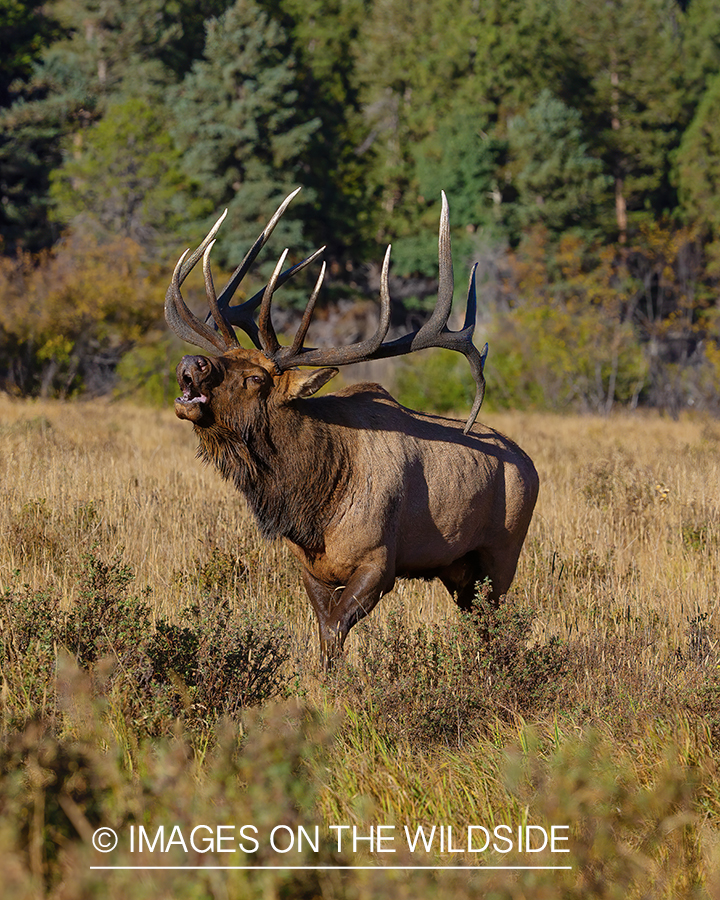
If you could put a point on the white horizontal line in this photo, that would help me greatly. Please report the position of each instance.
(315, 868)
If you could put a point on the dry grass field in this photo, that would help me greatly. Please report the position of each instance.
(595, 705)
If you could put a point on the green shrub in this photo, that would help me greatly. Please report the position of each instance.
(146, 373)
(438, 381)
(107, 619)
(547, 355)
(440, 682)
(218, 660)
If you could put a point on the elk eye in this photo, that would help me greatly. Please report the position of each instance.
(254, 379)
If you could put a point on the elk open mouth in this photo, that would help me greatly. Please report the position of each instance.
(191, 405)
(189, 397)
(192, 373)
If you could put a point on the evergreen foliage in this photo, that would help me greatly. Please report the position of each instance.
(324, 38)
(547, 122)
(461, 159)
(635, 102)
(124, 176)
(25, 30)
(699, 168)
(559, 185)
(238, 129)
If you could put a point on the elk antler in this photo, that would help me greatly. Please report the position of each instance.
(434, 333)
(187, 325)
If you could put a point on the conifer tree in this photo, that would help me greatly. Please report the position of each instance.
(26, 145)
(698, 162)
(241, 136)
(633, 106)
(446, 72)
(559, 184)
(26, 29)
(104, 54)
(323, 35)
(123, 176)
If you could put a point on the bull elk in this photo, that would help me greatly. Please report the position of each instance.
(363, 490)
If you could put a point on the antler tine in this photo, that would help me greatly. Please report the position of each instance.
(475, 359)
(269, 343)
(375, 342)
(223, 317)
(477, 364)
(241, 315)
(434, 333)
(182, 321)
(446, 281)
(177, 314)
(227, 331)
(297, 344)
(191, 261)
(343, 356)
(241, 271)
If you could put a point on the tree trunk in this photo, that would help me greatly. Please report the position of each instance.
(620, 205)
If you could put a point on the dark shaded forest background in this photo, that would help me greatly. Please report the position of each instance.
(578, 142)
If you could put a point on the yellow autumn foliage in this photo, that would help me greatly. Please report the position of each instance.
(82, 298)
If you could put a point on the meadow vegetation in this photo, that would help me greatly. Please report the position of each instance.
(160, 667)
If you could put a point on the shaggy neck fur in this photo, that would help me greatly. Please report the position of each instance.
(291, 467)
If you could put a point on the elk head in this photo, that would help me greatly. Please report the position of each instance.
(209, 384)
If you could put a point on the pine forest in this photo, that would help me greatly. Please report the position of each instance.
(578, 144)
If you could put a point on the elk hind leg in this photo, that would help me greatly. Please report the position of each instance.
(463, 577)
(459, 578)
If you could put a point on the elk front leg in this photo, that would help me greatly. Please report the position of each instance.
(338, 608)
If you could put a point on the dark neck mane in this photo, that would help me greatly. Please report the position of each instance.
(292, 468)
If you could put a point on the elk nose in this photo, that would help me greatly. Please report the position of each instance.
(190, 369)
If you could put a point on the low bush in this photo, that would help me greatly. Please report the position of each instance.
(439, 682)
(216, 661)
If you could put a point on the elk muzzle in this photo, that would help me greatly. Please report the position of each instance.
(193, 375)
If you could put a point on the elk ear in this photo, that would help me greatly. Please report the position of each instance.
(305, 384)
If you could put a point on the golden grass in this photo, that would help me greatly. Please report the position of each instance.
(627, 525)
(80, 474)
(622, 559)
